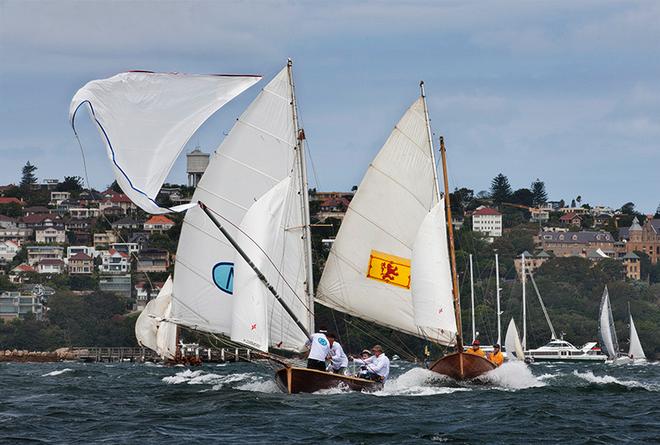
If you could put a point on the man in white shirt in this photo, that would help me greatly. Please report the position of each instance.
(319, 349)
(378, 365)
(338, 359)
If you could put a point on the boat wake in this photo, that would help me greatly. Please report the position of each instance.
(593, 379)
(246, 381)
(513, 376)
(58, 372)
(418, 382)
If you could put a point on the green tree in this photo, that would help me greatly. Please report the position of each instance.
(12, 210)
(500, 189)
(539, 195)
(28, 177)
(522, 196)
(628, 208)
(115, 187)
(72, 184)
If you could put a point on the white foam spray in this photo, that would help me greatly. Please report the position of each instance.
(58, 372)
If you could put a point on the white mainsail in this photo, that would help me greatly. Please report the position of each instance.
(149, 322)
(259, 152)
(635, 352)
(145, 119)
(367, 273)
(430, 279)
(606, 325)
(166, 337)
(512, 345)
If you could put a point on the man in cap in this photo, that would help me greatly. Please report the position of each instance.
(319, 349)
(378, 365)
(476, 349)
(496, 356)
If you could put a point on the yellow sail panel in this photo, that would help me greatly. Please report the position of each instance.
(390, 269)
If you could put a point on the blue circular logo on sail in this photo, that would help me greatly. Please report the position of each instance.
(223, 277)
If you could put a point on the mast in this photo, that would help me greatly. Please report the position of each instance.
(450, 228)
(256, 270)
(497, 290)
(474, 328)
(304, 196)
(436, 185)
(545, 311)
(524, 305)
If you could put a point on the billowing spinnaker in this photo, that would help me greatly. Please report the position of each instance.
(367, 273)
(258, 237)
(145, 119)
(258, 153)
(609, 343)
(636, 352)
(149, 320)
(430, 278)
(512, 345)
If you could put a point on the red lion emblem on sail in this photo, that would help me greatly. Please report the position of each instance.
(388, 271)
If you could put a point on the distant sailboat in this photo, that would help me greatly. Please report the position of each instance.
(152, 329)
(608, 335)
(635, 350)
(512, 345)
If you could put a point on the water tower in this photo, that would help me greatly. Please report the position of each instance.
(196, 164)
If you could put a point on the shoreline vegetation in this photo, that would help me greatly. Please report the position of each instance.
(79, 315)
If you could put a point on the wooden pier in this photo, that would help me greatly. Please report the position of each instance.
(204, 355)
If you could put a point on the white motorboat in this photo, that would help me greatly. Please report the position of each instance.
(563, 351)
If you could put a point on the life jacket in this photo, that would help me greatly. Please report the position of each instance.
(480, 352)
(497, 358)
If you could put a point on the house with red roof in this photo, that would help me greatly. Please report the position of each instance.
(488, 221)
(5, 200)
(114, 261)
(158, 223)
(571, 219)
(17, 274)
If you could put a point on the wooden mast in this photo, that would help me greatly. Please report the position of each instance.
(452, 253)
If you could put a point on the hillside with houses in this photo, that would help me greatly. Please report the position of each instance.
(61, 242)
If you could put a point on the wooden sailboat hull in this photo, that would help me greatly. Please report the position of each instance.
(462, 366)
(294, 380)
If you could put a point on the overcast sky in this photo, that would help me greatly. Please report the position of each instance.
(568, 92)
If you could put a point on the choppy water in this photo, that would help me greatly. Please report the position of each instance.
(239, 402)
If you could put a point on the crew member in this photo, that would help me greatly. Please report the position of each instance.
(338, 359)
(476, 350)
(378, 365)
(319, 349)
(496, 356)
(364, 355)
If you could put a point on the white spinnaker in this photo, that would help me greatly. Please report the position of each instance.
(430, 279)
(145, 119)
(391, 202)
(606, 326)
(149, 321)
(635, 351)
(514, 349)
(259, 238)
(258, 153)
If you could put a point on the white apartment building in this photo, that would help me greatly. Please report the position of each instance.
(487, 221)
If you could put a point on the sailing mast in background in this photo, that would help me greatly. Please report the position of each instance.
(497, 290)
(474, 328)
(524, 304)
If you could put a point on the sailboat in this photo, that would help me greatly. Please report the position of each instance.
(512, 344)
(608, 335)
(152, 328)
(390, 262)
(635, 350)
(247, 279)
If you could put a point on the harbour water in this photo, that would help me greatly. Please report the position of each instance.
(239, 403)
